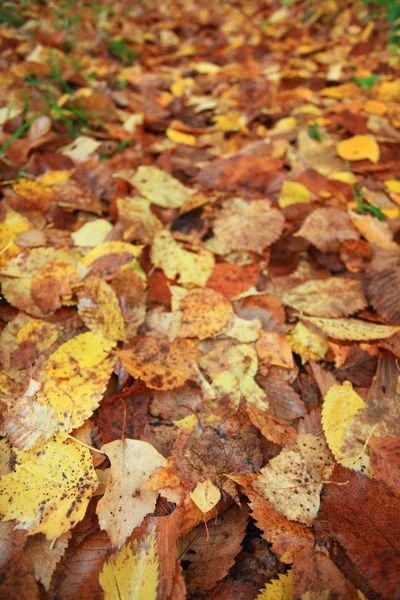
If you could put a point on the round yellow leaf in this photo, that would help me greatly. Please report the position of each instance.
(359, 147)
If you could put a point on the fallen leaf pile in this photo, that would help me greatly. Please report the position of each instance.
(200, 291)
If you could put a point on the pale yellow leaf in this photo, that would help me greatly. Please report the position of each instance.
(92, 233)
(190, 267)
(99, 309)
(353, 329)
(293, 480)
(205, 495)
(159, 187)
(126, 502)
(46, 555)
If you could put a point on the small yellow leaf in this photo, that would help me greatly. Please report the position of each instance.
(233, 121)
(92, 234)
(13, 223)
(359, 147)
(42, 492)
(180, 138)
(307, 343)
(341, 404)
(205, 495)
(393, 185)
(345, 177)
(132, 574)
(278, 589)
(293, 193)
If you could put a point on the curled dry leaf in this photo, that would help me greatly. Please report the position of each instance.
(126, 502)
(333, 297)
(250, 226)
(293, 480)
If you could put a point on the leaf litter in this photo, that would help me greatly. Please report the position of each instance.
(199, 265)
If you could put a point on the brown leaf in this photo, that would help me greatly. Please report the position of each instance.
(383, 283)
(333, 297)
(248, 226)
(160, 364)
(207, 553)
(385, 460)
(327, 228)
(359, 515)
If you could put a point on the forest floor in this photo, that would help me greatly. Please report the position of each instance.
(200, 310)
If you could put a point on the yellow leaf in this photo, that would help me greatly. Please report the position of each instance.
(389, 91)
(345, 177)
(160, 364)
(190, 267)
(180, 138)
(205, 495)
(43, 490)
(84, 351)
(204, 314)
(353, 329)
(393, 185)
(341, 404)
(359, 147)
(374, 107)
(332, 297)
(278, 589)
(125, 502)
(75, 378)
(30, 423)
(99, 309)
(53, 177)
(233, 121)
(132, 574)
(307, 343)
(37, 332)
(159, 187)
(111, 248)
(293, 480)
(12, 224)
(137, 220)
(293, 193)
(92, 233)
